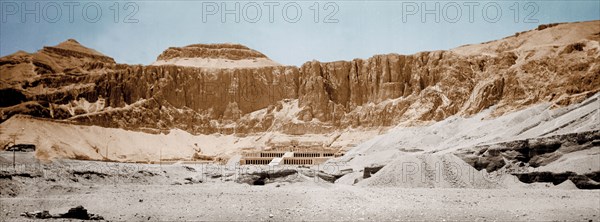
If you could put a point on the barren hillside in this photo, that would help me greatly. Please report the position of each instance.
(201, 90)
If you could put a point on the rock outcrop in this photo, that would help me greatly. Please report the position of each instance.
(213, 51)
(68, 58)
(72, 82)
(214, 56)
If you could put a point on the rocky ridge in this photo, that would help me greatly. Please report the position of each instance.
(214, 51)
(217, 56)
(384, 90)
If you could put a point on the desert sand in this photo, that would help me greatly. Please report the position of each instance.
(134, 192)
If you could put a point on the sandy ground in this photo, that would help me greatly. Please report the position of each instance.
(153, 195)
(230, 201)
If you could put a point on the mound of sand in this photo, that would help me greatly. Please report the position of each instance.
(433, 171)
(446, 171)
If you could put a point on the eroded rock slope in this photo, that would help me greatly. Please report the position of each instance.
(559, 64)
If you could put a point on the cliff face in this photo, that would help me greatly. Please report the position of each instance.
(193, 99)
(384, 90)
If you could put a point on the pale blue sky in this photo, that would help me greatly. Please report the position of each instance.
(364, 28)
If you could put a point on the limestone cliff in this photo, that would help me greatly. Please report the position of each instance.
(559, 64)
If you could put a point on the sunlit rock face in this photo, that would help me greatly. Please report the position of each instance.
(214, 56)
(230, 88)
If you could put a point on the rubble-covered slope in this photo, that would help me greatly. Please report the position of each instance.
(536, 144)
